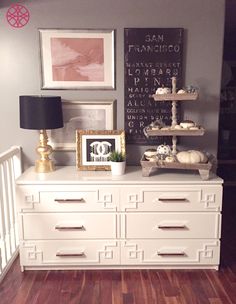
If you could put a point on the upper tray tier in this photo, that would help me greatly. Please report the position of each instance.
(175, 97)
(172, 132)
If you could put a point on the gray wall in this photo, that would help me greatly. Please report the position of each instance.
(203, 21)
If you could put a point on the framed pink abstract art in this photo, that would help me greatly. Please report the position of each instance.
(77, 59)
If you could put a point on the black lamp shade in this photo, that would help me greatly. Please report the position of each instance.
(41, 112)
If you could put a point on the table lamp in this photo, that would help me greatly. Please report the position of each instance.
(41, 113)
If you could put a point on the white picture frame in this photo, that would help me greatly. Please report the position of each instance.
(77, 59)
(82, 115)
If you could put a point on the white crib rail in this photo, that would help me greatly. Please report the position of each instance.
(10, 169)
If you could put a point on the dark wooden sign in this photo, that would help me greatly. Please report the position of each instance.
(152, 57)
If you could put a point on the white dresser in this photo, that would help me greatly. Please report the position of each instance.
(72, 219)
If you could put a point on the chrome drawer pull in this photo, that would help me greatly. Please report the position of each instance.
(61, 254)
(171, 253)
(172, 199)
(69, 227)
(69, 200)
(171, 226)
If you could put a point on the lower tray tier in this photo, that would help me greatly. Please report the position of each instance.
(203, 168)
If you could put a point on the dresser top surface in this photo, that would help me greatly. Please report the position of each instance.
(69, 175)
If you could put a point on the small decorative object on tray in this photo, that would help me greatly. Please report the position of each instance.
(150, 154)
(186, 124)
(191, 157)
(163, 90)
(163, 151)
(170, 159)
(155, 125)
(181, 91)
(191, 89)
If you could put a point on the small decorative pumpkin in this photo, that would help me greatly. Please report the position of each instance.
(181, 91)
(163, 90)
(187, 124)
(191, 157)
(169, 159)
(163, 151)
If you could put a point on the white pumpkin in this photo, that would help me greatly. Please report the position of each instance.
(181, 91)
(163, 90)
(191, 157)
(187, 124)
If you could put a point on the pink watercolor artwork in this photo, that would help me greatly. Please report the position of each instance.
(77, 59)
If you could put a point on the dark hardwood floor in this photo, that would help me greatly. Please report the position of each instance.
(134, 286)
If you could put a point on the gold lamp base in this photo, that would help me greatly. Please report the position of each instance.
(44, 164)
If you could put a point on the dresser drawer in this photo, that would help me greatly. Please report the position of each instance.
(46, 226)
(174, 198)
(70, 199)
(65, 252)
(171, 225)
(170, 252)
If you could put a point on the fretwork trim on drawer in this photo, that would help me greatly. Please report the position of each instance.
(208, 200)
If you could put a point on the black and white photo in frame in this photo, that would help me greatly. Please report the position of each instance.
(94, 148)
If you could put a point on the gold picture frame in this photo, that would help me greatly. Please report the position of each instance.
(93, 148)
